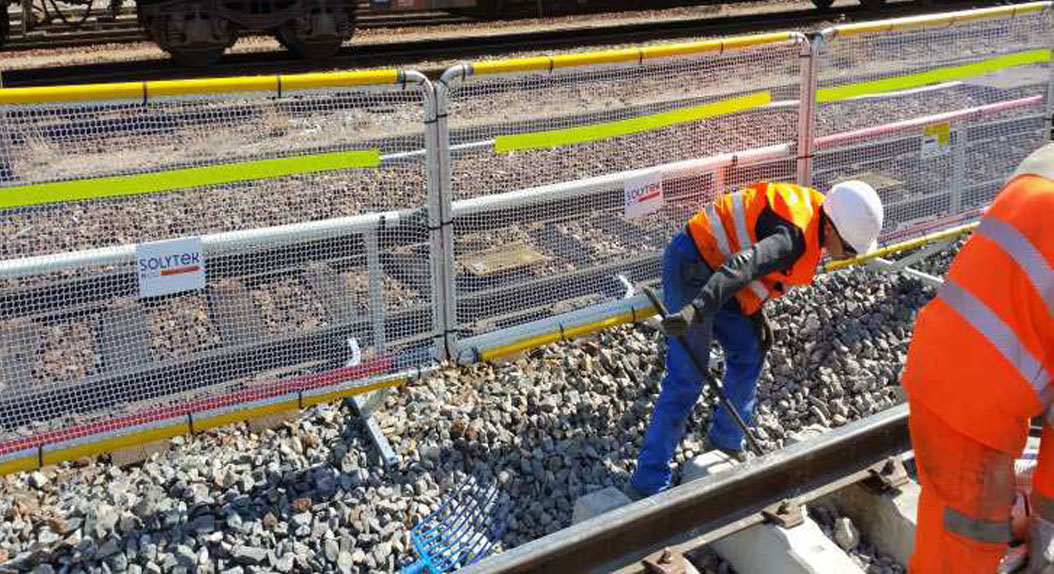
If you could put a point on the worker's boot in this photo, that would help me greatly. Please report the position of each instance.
(1040, 547)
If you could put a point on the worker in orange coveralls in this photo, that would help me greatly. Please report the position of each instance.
(978, 369)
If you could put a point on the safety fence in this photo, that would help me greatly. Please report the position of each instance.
(175, 252)
(934, 111)
(567, 175)
(180, 254)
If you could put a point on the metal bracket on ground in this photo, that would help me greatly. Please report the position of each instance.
(787, 513)
(365, 405)
(881, 264)
(887, 475)
(903, 265)
(666, 561)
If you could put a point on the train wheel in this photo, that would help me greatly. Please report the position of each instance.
(873, 4)
(194, 39)
(317, 35)
(823, 4)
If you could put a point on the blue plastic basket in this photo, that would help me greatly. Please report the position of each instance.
(462, 531)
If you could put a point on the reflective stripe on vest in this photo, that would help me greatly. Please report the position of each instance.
(1024, 253)
(718, 231)
(986, 531)
(739, 215)
(987, 323)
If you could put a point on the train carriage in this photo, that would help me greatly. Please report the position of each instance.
(198, 32)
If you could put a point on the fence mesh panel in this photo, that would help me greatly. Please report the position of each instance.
(935, 117)
(541, 164)
(302, 274)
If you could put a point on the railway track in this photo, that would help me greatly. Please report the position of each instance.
(765, 489)
(411, 53)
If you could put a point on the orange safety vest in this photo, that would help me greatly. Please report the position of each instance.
(982, 354)
(729, 225)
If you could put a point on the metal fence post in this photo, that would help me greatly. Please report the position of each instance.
(810, 51)
(1048, 119)
(450, 79)
(958, 169)
(434, 147)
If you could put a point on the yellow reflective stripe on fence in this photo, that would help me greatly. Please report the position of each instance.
(548, 63)
(935, 20)
(902, 246)
(95, 92)
(936, 76)
(565, 334)
(165, 181)
(145, 91)
(590, 133)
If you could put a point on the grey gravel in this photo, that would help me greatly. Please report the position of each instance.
(550, 426)
(842, 530)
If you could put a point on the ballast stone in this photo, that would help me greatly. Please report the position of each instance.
(596, 503)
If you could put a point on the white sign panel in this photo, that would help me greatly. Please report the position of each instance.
(167, 267)
(935, 140)
(644, 195)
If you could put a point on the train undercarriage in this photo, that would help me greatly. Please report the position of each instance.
(198, 32)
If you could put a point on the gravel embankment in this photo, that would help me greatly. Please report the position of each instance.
(560, 422)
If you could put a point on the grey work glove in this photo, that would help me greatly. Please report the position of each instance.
(763, 327)
(677, 324)
(1040, 547)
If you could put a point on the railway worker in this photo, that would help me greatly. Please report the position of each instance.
(745, 248)
(978, 368)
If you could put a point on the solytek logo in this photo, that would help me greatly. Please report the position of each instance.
(167, 265)
(644, 192)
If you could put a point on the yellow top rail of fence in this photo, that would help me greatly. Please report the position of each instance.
(938, 20)
(144, 91)
(626, 55)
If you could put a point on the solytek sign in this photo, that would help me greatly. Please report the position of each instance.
(167, 267)
(643, 195)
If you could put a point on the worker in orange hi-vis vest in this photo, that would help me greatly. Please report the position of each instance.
(736, 253)
(978, 368)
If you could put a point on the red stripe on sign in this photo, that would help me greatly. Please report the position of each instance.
(181, 270)
(651, 195)
(266, 391)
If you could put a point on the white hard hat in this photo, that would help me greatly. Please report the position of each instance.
(856, 212)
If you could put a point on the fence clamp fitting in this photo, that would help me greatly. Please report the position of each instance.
(887, 475)
(787, 513)
(666, 561)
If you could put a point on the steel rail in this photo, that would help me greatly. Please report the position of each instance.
(724, 502)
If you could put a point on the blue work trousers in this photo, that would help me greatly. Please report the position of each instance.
(684, 273)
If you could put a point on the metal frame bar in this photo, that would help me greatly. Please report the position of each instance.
(881, 264)
(1048, 133)
(807, 107)
(903, 265)
(365, 405)
(449, 81)
(604, 183)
